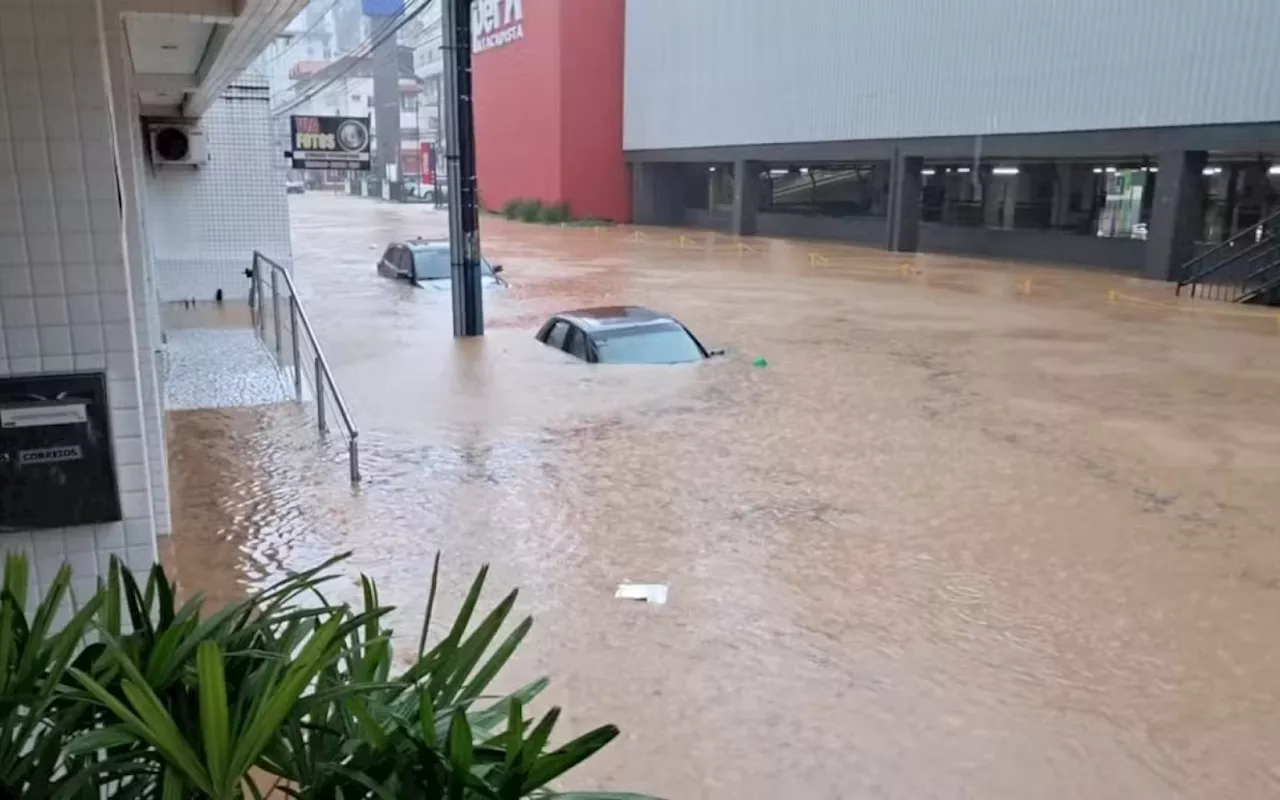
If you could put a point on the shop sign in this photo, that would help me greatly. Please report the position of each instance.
(495, 23)
(330, 142)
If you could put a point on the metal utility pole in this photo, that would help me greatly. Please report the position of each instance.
(460, 141)
(436, 198)
(386, 113)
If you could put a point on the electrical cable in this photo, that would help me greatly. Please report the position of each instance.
(302, 36)
(357, 53)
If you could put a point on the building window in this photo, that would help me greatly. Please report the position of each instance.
(409, 102)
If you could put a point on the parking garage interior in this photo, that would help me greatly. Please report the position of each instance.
(1089, 210)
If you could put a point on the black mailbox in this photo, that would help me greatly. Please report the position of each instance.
(56, 461)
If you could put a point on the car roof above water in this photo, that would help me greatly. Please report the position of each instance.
(603, 318)
(427, 244)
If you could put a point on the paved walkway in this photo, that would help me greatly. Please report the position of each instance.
(220, 368)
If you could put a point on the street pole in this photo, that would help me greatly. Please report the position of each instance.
(464, 218)
(436, 155)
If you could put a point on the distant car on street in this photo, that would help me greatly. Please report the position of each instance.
(295, 187)
(623, 335)
(426, 262)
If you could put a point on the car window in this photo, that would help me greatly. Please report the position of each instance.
(390, 257)
(666, 345)
(577, 344)
(431, 264)
(558, 333)
(404, 261)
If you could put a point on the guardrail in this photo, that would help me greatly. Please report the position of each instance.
(321, 374)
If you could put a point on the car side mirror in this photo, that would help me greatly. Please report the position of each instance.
(716, 353)
(497, 268)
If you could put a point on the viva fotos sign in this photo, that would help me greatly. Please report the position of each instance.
(495, 23)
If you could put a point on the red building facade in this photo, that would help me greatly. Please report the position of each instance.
(548, 104)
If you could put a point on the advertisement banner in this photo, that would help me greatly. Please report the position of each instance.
(382, 8)
(330, 142)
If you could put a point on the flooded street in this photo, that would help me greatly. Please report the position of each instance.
(978, 530)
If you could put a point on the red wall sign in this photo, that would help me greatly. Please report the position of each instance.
(548, 104)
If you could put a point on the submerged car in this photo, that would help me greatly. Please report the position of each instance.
(623, 335)
(423, 261)
(295, 187)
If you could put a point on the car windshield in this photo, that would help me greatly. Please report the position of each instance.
(647, 345)
(432, 264)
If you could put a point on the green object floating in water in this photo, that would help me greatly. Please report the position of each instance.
(760, 361)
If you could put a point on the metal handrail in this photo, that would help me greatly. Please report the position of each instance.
(1185, 275)
(1248, 254)
(322, 372)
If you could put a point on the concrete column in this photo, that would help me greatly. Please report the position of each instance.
(904, 204)
(746, 197)
(1060, 205)
(657, 193)
(1177, 213)
(991, 194)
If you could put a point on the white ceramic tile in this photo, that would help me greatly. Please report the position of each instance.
(135, 504)
(79, 540)
(87, 338)
(142, 558)
(81, 279)
(118, 337)
(77, 247)
(55, 340)
(137, 532)
(110, 536)
(43, 248)
(124, 394)
(51, 310)
(92, 361)
(115, 306)
(126, 423)
(46, 279)
(83, 309)
(17, 311)
(82, 563)
(11, 223)
(22, 342)
(25, 365)
(13, 250)
(15, 280)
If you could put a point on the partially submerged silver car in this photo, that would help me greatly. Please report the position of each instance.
(426, 263)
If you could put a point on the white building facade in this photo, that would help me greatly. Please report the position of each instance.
(93, 235)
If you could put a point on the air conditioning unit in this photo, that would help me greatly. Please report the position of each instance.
(177, 144)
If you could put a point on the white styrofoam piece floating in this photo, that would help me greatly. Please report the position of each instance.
(655, 593)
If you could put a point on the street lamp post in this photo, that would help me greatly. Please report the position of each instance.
(464, 217)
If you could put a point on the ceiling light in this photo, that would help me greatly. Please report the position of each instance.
(1275, 170)
(1110, 169)
(1152, 169)
(711, 169)
(963, 170)
(928, 172)
(1005, 171)
(1212, 170)
(1097, 170)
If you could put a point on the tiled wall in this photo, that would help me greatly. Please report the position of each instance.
(66, 300)
(128, 138)
(205, 223)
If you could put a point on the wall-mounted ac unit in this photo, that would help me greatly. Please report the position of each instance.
(177, 144)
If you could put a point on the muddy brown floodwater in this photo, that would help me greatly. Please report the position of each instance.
(977, 531)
